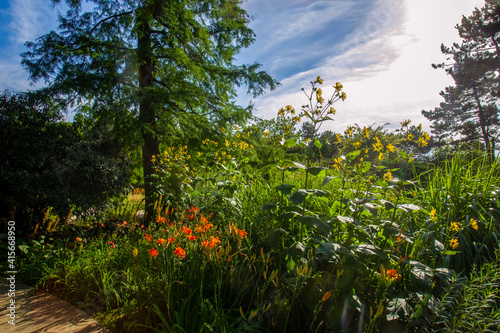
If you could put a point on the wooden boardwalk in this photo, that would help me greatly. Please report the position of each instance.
(42, 312)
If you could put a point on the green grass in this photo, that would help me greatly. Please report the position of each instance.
(327, 250)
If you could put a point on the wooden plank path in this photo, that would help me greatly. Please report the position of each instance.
(42, 312)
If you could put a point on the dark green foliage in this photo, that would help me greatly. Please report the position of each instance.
(49, 163)
(169, 63)
(470, 111)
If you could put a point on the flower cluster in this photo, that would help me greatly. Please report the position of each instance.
(191, 233)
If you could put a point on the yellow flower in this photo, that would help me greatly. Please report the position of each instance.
(422, 142)
(433, 214)
(349, 130)
(338, 137)
(390, 148)
(410, 137)
(134, 253)
(388, 176)
(455, 227)
(378, 146)
(332, 110)
(473, 224)
(454, 243)
(419, 127)
(357, 144)
(366, 133)
(343, 96)
(338, 86)
(266, 134)
(380, 156)
(319, 80)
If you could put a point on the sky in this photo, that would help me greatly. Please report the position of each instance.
(380, 50)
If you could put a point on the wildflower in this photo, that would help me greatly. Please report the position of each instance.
(388, 176)
(266, 134)
(326, 296)
(422, 142)
(161, 241)
(161, 220)
(187, 230)
(180, 253)
(390, 148)
(366, 133)
(409, 137)
(433, 214)
(191, 237)
(455, 227)
(153, 253)
(378, 146)
(78, 239)
(171, 239)
(135, 252)
(242, 233)
(380, 156)
(319, 80)
(473, 224)
(148, 238)
(357, 144)
(338, 86)
(113, 245)
(393, 274)
(338, 137)
(454, 243)
(332, 110)
(343, 96)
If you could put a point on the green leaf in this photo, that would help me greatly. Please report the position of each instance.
(369, 250)
(299, 165)
(315, 222)
(286, 216)
(290, 143)
(365, 166)
(352, 155)
(398, 309)
(286, 189)
(327, 180)
(269, 207)
(407, 207)
(315, 170)
(298, 197)
(317, 143)
(275, 236)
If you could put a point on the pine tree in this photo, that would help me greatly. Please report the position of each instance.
(470, 111)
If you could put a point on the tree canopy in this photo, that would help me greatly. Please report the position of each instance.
(469, 112)
(159, 66)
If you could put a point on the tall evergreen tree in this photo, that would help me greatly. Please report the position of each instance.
(154, 66)
(470, 109)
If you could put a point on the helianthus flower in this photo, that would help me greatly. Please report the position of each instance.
(454, 243)
(455, 227)
(473, 224)
(388, 176)
(433, 214)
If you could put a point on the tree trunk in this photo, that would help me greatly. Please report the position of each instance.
(147, 114)
(482, 123)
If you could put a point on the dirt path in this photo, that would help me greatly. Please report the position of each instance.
(42, 312)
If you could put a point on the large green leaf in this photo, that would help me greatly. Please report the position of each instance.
(315, 170)
(398, 309)
(298, 197)
(286, 189)
(327, 180)
(315, 222)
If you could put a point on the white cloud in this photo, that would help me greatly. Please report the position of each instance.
(385, 64)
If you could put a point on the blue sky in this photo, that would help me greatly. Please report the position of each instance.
(381, 50)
